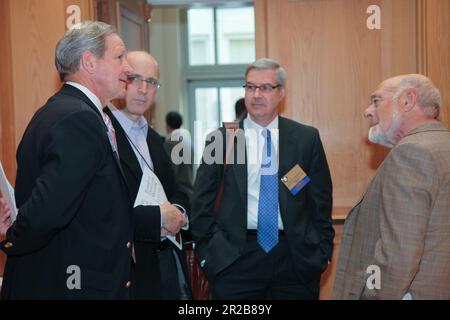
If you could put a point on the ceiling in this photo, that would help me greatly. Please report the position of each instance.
(197, 3)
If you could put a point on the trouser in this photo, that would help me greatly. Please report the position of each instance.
(259, 275)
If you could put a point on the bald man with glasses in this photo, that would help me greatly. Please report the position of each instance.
(159, 268)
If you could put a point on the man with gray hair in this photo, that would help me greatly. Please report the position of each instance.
(396, 239)
(72, 236)
(271, 235)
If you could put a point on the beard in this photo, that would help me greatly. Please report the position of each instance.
(378, 137)
(387, 139)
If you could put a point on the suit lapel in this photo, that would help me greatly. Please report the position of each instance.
(153, 154)
(126, 153)
(74, 92)
(286, 157)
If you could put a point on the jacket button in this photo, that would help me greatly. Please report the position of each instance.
(128, 285)
(129, 244)
(8, 245)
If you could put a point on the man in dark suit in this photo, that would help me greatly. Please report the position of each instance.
(160, 268)
(72, 236)
(265, 241)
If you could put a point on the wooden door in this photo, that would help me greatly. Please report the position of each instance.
(129, 17)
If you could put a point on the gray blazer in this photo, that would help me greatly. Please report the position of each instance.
(402, 224)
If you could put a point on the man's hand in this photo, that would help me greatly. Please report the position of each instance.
(173, 219)
(5, 217)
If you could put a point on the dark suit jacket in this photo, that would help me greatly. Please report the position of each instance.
(147, 219)
(74, 207)
(306, 217)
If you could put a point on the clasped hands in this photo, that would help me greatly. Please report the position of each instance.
(172, 219)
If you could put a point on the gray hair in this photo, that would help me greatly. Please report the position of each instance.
(85, 36)
(268, 64)
(429, 97)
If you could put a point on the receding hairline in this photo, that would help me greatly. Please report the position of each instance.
(429, 97)
(399, 81)
(136, 54)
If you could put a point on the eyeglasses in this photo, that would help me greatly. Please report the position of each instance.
(264, 88)
(136, 80)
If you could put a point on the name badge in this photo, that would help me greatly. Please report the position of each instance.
(295, 179)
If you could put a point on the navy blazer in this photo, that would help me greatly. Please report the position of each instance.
(74, 207)
(306, 216)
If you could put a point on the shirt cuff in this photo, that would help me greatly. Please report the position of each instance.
(183, 211)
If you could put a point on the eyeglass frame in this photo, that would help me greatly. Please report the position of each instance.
(150, 81)
(265, 85)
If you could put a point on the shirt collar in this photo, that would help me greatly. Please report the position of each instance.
(250, 124)
(95, 100)
(128, 124)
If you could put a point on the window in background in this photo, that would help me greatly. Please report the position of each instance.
(221, 36)
(206, 109)
(201, 36)
(221, 43)
(235, 35)
(214, 103)
(228, 98)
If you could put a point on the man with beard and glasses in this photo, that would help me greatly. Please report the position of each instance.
(395, 243)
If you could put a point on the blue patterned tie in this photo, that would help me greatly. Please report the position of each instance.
(268, 197)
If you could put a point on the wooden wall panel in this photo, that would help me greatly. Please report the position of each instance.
(436, 44)
(260, 28)
(34, 73)
(7, 134)
(87, 9)
(333, 63)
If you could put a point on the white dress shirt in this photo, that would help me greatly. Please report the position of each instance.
(95, 100)
(137, 134)
(254, 144)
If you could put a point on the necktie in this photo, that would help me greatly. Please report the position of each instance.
(268, 197)
(111, 132)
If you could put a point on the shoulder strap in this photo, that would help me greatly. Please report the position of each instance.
(230, 133)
